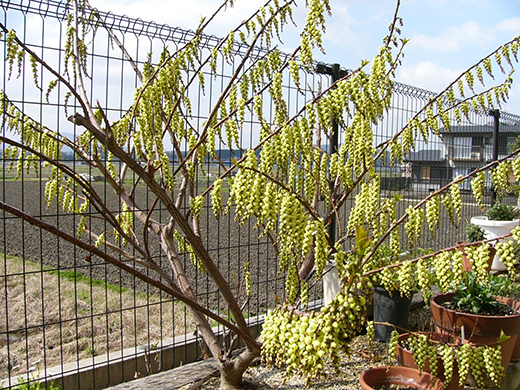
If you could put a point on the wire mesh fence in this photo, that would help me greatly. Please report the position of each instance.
(59, 306)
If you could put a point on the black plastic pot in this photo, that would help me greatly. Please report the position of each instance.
(393, 309)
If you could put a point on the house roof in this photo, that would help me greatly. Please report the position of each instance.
(425, 155)
(504, 129)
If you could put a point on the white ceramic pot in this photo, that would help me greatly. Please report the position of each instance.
(495, 229)
(330, 281)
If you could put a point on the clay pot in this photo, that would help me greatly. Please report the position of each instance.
(515, 356)
(465, 260)
(478, 329)
(402, 376)
(495, 229)
(405, 358)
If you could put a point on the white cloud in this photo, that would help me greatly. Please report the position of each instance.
(454, 38)
(357, 32)
(433, 77)
(511, 25)
(513, 104)
(427, 75)
(183, 13)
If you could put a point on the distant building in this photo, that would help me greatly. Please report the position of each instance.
(469, 147)
(429, 169)
(464, 148)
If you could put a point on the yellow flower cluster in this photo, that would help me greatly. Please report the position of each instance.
(448, 354)
(301, 342)
(477, 186)
(196, 205)
(478, 257)
(414, 225)
(448, 205)
(500, 176)
(443, 270)
(480, 361)
(433, 214)
(506, 251)
(406, 277)
(456, 199)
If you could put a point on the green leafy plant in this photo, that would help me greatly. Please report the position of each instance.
(474, 233)
(33, 382)
(501, 212)
(479, 296)
(37, 386)
(472, 295)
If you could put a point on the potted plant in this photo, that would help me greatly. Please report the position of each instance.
(474, 233)
(484, 352)
(499, 220)
(478, 313)
(394, 289)
(391, 306)
(441, 346)
(400, 376)
(439, 353)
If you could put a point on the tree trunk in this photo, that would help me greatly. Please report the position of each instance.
(232, 370)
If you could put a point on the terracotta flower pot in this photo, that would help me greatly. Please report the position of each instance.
(405, 358)
(465, 260)
(515, 356)
(478, 329)
(495, 229)
(396, 375)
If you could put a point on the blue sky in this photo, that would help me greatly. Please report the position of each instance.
(446, 36)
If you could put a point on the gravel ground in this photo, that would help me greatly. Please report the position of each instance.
(363, 355)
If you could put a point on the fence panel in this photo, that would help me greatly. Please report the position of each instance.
(59, 307)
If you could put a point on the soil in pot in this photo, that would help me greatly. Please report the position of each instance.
(501, 310)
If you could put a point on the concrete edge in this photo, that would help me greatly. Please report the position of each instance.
(113, 368)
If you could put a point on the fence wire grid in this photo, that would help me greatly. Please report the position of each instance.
(56, 309)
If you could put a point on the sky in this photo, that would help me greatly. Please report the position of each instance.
(446, 36)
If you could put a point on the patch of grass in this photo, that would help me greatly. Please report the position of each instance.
(38, 385)
(59, 316)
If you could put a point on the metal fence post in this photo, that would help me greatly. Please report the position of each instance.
(496, 115)
(336, 74)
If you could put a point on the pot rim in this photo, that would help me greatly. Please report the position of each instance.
(448, 296)
(486, 222)
(393, 372)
